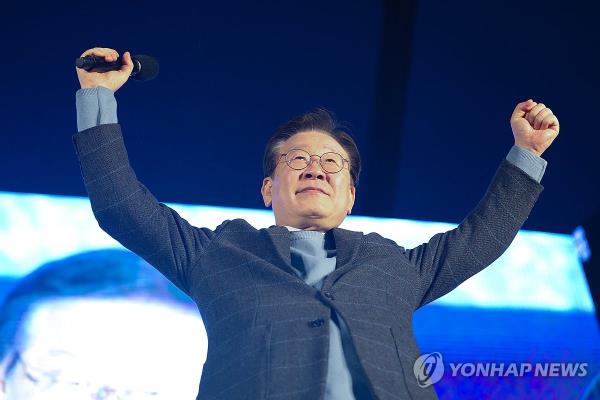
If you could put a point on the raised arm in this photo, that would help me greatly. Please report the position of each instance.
(450, 258)
(123, 207)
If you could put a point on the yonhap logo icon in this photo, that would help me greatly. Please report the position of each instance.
(429, 369)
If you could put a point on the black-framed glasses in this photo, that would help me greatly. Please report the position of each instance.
(298, 159)
(53, 385)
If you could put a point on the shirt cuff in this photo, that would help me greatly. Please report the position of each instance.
(525, 160)
(95, 106)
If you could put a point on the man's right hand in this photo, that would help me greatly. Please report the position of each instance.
(112, 80)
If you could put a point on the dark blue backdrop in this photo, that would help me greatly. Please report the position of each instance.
(435, 81)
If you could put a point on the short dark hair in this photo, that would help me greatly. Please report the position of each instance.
(109, 273)
(320, 120)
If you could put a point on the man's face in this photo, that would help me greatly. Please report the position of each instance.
(100, 348)
(310, 198)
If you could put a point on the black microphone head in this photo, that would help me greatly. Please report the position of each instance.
(148, 67)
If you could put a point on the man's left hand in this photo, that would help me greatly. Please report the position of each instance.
(534, 126)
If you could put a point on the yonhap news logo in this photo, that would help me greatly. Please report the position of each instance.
(429, 369)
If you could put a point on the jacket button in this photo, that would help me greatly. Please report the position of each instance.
(315, 323)
(328, 295)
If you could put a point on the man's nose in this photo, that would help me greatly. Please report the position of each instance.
(313, 170)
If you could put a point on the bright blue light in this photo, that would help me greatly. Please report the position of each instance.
(581, 243)
(539, 270)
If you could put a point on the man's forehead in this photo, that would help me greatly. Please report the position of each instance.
(95, 340)
(71, 324)
(309, 146)
(313, 141)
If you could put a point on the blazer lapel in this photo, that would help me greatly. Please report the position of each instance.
(277, 239)
(347, 244)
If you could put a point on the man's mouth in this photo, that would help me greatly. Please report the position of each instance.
(311, 190)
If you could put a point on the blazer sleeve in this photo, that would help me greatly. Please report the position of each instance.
(127, 211)
(450, 258)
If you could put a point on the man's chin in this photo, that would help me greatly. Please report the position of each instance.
(313, 212)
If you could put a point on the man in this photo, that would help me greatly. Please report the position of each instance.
(86, 327)
(303, 309)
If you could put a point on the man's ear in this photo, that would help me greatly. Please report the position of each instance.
(352, 198)
(265, 190)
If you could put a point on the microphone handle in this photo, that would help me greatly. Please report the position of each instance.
(98, 64)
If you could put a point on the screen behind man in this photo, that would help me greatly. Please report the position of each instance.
(87, 327)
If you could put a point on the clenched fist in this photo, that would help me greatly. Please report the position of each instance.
(534, 126)
(112, 80)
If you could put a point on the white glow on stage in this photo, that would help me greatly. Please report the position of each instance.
(539, 270)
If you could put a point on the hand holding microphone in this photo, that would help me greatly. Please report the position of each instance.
(103, 67)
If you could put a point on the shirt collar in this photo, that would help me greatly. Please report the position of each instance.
(292, 229)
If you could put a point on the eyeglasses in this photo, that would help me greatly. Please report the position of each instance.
(56, 387)
(298, 159)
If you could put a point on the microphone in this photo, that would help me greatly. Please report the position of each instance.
(145, 67)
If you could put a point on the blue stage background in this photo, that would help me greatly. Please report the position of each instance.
(426, 86)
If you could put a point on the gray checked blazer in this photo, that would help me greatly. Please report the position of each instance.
(268, 331)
